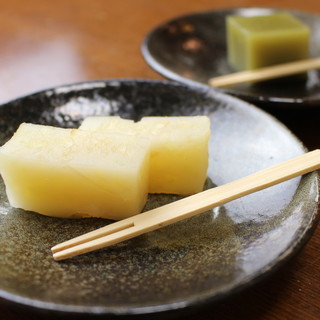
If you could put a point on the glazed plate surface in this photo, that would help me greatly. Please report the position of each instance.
(190, 263)
(192, 48)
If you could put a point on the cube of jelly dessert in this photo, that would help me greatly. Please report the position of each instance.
(259, 41)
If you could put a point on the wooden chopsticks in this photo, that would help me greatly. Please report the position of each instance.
(187, 207)
(266, 73)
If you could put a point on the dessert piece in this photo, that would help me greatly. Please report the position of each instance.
(179, 149)
(260, 41)
(179, 153)
(109, 124)
(75, 173)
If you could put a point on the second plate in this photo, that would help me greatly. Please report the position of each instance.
(192, 48)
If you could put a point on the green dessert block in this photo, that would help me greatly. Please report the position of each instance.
(259, 41)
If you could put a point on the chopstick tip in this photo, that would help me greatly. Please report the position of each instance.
(56, 257)
(56, 248)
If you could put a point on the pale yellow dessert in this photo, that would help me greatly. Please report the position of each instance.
(73, 173)
(114, 124)
(260, 41)
(179, 149)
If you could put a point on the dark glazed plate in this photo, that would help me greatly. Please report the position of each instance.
(190, 263)
(191, 49)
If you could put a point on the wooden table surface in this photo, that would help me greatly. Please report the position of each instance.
(52, 42)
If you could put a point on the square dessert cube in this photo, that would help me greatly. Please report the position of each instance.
(179, 153)
(73, 173)
(113, 124)
(259, 41)
(179, 149)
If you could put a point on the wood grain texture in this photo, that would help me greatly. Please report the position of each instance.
(46, 43)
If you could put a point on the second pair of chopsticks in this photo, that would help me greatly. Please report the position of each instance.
(266, 73)
(187, 207)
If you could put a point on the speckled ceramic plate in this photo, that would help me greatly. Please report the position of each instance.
(192, 49)
(190, 263)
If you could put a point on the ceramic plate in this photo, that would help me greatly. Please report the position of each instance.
(190, 263)
(192, 49)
